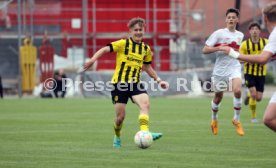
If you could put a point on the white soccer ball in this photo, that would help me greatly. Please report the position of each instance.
(143, 139)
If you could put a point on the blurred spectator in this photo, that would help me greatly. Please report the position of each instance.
(59, 87)
(46, 94)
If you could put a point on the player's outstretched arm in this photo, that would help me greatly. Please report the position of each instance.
(151, 72)
(263, 58)
(95, 57)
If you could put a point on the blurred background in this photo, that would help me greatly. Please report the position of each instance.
(39, 37)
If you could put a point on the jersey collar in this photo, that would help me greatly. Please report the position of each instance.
(135, 42)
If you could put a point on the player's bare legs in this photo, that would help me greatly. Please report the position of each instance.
(253, 92)
(142, 100)
(215, 108)
(236, 86)
(237, 102)
(270, 116)
(218, 97)
(120, 109)
(259, 96)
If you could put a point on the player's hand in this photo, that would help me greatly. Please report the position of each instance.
(229, 51)
(223, 44)
(87, 65)
(164, 84)
(225, 49)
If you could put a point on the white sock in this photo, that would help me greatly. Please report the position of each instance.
(215, 109)
(237, 108)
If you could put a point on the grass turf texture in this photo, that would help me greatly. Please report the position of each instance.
(74, 133)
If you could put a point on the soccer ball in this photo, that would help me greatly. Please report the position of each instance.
(143, 139)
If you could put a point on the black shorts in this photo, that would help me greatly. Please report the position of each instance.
(122, 91)
(255, 81)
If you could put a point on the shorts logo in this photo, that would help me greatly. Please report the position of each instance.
(116, 98)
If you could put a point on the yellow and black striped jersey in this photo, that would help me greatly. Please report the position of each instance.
(248, 47)
(129, 60)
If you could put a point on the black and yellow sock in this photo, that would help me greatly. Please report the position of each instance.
(252, 106)
(144, 122)
(117, 129)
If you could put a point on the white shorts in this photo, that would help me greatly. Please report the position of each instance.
(273, 98)
(223, 83)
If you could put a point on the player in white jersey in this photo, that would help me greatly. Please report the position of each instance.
(269, 18)
(227, 71)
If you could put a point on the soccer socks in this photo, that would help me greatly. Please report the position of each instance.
(252, 106)
(144, 126)
(117, 129)
(237, 108)
(215, 109)
(144, 122)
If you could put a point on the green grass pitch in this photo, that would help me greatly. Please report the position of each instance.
(78, 133)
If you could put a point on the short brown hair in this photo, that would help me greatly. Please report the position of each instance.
(270, 12)
(136, 20)
(232, 10)
(254, 24)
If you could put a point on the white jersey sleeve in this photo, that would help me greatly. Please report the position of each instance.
(271, 45)
(212, 40)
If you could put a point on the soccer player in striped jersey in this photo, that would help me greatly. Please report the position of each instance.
(268, 53)
(133, 55)
(254, 74)
(227, 71)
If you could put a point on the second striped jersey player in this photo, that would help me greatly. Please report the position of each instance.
(254, 73)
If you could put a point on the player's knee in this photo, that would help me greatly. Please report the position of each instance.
(237, 92)
(120, 119)
(217, 100)
(259, 98)
(218, 97)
